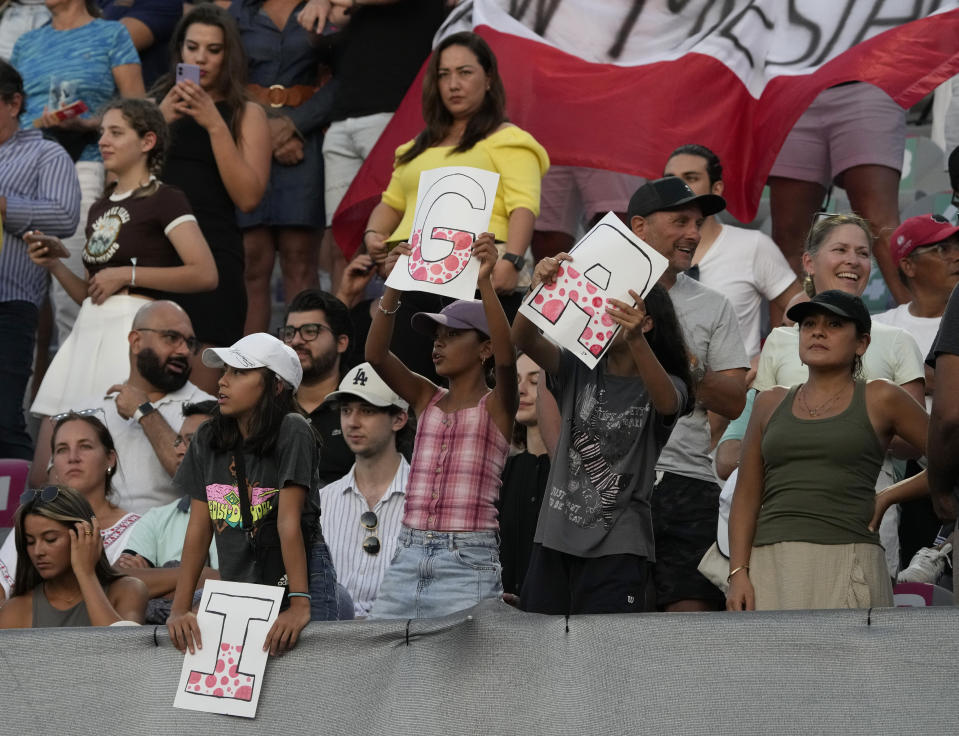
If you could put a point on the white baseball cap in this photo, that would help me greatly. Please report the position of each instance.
(365, 383)
(258, 350)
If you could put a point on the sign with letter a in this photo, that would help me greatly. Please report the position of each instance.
(226, 675)
(453, 206)
(608, 262)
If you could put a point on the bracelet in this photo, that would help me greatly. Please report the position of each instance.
(738, 569)
(133, 272)
(367, 232)
(299, 595)
(385, 311)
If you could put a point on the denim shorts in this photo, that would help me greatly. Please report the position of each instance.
(323, 604)
(435, 574)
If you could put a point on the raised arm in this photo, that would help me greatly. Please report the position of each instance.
(127, 598)
(525, 334)
(505, 398)
(411, 386)
(633, 320)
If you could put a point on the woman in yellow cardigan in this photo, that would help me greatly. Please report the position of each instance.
(464, 106)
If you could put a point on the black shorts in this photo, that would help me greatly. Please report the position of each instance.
(685, 514)
(560, 583)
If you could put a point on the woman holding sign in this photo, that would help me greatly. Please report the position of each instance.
(594, 540)
(448, 551)
(464, 106)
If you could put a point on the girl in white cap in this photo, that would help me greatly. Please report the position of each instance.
(447, 558)
(252, 473)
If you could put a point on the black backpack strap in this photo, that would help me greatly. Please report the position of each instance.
(246, 516)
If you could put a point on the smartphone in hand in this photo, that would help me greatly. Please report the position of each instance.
(187, 71)
(54, 247)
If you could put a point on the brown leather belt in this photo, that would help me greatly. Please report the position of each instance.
(276, 95)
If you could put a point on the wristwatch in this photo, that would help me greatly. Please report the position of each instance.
(145, 408)
(517, 261)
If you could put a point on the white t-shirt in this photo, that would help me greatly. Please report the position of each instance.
(141, 483)
(892, 354)
(923, 329)
(114, 542)
(745, 266)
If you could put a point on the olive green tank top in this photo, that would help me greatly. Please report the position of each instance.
(820, 476)
(46, 616)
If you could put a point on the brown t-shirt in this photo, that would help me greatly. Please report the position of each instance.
(125, 227)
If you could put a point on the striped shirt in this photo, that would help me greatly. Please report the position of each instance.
(40, 184)
(342, 505)
(457, 465)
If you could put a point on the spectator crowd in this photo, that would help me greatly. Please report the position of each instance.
(753, 438)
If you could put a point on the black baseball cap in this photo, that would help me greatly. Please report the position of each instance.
(670, 193)
(840, 303)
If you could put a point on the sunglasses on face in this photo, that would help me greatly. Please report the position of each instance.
(309, 332)
(43, 495)
(172, 338)
(371, 545)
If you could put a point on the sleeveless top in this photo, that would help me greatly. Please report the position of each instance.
(46, 616)
(820, 476)
(456, 470)
(217, 315)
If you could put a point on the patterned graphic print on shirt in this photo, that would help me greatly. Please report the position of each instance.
(600, 438)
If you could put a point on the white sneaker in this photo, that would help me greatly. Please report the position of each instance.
(926, 565)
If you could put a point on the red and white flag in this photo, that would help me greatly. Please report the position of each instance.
(618, 84)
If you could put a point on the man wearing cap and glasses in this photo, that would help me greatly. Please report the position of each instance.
(363, 510)
(668, 216)
(143, 412)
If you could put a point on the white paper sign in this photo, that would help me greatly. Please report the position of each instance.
(453, 206)
(607, 262)
(226, 676)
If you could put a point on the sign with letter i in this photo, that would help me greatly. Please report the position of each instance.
(226, 675)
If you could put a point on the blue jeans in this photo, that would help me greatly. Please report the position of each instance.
(18, 331)
(322, 584)
(438, 573)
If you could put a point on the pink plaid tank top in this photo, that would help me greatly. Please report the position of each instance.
(455, 474)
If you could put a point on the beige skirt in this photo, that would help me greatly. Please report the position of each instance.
(800, 575)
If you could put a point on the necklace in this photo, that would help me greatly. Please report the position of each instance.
(819, 409)
(71, 601)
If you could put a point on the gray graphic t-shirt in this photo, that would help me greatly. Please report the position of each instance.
(210, 476)
(597, 499)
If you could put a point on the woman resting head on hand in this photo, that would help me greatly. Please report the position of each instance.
(63, 576)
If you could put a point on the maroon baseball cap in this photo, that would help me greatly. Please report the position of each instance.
(465, 314)
(917, 232)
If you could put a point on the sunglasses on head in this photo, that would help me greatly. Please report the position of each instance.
(78, 412)
(43, 495)
(371, 545)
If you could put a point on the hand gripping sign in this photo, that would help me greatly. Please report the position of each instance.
(607, 262)
(453, 206)
(226, 675)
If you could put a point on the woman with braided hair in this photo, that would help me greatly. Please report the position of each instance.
(142, 241)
